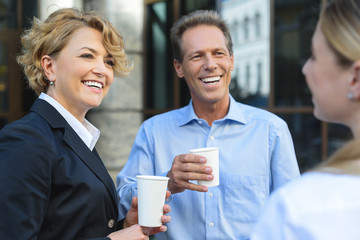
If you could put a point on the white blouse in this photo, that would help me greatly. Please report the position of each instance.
(86, 131)
(316, 206)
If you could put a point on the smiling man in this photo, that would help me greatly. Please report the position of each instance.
(256, 150)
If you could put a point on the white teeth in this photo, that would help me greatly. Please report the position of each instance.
(211, 79)
(212, 83)
(93, 84)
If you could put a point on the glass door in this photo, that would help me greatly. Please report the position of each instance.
(15, 98)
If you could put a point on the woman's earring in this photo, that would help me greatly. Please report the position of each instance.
(350, 96)
(52, 82)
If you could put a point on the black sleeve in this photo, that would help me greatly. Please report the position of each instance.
(25, 181)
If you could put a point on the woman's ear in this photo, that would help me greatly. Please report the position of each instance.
(48, 66)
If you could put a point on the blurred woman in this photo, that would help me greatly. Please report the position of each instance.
(53, 183)
(325, 202)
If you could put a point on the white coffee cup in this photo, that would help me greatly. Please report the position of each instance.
(151, 199)
(212, 159)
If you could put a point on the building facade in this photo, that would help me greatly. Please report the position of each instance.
(249, 23)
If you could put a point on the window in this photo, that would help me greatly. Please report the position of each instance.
(159, 71)
(246, 28)
(257, 25)
(14, 99)
(247, 79)
(235, 31)
(259, 85)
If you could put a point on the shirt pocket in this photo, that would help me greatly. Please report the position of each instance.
(244, 197)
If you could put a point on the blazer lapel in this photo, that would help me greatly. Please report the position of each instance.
(108, 178)
(91, 159)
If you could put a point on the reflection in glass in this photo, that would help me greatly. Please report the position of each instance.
(306, 134)
(249, 23)
(159, 60)
(295, 22)
(4, 75)
(8, 14)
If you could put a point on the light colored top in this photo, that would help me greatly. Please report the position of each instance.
(256, 156)
(321, 206)
(86, 131)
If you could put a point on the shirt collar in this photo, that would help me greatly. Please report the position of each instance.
(86, 131)
(235, 113)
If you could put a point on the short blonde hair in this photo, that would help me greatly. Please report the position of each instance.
(50, 36)
(340, 24)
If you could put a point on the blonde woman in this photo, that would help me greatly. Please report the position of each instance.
(325, 203)
(53, 183)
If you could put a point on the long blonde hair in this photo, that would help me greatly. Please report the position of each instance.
(344, 161)
(340, 24)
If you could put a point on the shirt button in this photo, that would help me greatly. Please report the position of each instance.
(211, 224)
(111, 223)
(212, 138)
(211, 194)
(199, 122)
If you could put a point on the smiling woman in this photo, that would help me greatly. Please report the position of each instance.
(88, 76)
(60, 188)
(324, 203)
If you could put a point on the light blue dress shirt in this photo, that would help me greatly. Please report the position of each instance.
(256, 156)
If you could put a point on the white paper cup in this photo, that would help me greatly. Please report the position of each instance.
(212, 159)
(151, 199)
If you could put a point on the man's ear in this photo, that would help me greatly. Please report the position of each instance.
(178, 68)
(48, 66)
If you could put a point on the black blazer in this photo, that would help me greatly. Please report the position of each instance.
(51, 185)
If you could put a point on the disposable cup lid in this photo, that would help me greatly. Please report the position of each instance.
(204, 149)
(159, 178)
